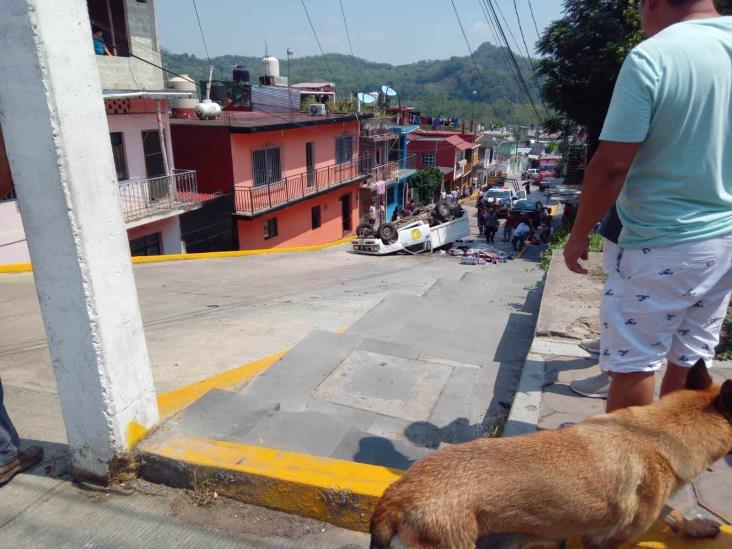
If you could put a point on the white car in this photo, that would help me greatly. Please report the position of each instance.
(532, 173)
(503, 198)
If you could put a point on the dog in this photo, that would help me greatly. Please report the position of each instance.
(604, 481)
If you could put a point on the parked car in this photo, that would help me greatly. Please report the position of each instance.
(550, 182)
(533, 210)
(503, 198)
(532, 173)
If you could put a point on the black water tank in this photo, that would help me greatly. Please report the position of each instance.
(240, 74)
(218, 92)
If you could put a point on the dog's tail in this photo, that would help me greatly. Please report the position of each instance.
(383, 528)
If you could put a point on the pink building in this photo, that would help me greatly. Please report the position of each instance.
(454, 153)
(295, 177)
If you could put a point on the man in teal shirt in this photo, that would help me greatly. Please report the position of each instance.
(666, 157)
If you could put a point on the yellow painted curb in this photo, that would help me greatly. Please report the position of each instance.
(16, 268)
(174, 401)
(340, 492)
(26, 267)
(662, 537)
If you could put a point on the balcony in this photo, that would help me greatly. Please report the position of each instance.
(160, 196)
(251, 201)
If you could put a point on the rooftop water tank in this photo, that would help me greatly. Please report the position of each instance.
(270, 66)
(183, 83)
(218, 91)
(240, 74)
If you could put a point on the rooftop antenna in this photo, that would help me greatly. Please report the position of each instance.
(266, 50)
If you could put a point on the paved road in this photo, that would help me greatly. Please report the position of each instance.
(201, 318)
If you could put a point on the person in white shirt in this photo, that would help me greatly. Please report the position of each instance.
(519, 234)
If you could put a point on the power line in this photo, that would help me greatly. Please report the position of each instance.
(350, 46)
(322, 53)
(528, 55)
(499, 44)
(467, 43)
(536, 27)
(525, 87)
(200, 28)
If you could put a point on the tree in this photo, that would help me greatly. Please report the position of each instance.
(583, 52)
(425, 183)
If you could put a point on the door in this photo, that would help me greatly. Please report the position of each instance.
(310, 162)
(346, 213)
(154, 167)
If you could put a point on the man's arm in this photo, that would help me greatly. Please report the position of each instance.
(604, 178)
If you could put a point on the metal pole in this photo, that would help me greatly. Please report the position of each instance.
(161, 136)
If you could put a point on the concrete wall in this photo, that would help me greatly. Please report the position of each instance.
(128, 73)
(132, 126)
(294, 223)
(206, 149)
(170, 237)
(13, 245)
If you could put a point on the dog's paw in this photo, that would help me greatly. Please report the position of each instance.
(699, 528)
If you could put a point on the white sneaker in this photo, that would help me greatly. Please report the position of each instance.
(593, 387)
(591, 346)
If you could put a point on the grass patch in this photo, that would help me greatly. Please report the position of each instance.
(724, 349)
(559, 240)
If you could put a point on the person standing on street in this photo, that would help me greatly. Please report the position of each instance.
(527, 186)
(13, 460)
(491, 225)
(664, 155)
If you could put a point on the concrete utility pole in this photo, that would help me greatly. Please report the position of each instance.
(57, 140)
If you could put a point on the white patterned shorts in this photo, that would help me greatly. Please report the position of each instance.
(665, 304)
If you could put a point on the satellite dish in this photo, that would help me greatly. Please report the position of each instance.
(388, 91)
(366, 98)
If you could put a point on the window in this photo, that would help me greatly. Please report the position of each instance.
(270, 228)
(429, 159)
(154, 165)
(118, 152)
(109, 17)
(315, 216)
(146, 245)
(266, 166)
(344, 149)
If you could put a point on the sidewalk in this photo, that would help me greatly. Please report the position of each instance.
(568, 314)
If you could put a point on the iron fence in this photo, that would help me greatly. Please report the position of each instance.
(251, 200)
(157, 195)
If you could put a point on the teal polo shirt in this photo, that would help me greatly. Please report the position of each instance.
(674, 95)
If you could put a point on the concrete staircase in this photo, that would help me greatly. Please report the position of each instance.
(414, 373)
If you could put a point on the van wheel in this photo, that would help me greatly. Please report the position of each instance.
(444, 211)
(364, 230)
(388, 233)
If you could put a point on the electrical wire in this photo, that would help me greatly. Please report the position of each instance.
(528, 55)
(322, 53)
(525, 87)
(200, 28)
(350, 46)
(467, 43)
(499, 44)
(536, 27)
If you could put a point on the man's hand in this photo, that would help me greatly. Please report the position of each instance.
(576, 249)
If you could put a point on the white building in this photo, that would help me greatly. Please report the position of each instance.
(153, 193)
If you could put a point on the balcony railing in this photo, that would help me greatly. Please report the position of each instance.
(253, 200)
(147, 197)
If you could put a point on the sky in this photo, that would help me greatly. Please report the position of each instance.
(390, 31)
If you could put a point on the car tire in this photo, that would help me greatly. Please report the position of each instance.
(364, 230)
(444, 210)
(388, 233)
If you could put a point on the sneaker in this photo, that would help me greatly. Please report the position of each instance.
(591, 346)
(26, 459)
(594, 387)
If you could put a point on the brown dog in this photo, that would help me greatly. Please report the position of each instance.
(604, 480)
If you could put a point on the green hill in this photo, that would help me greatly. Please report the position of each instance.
(436, 87)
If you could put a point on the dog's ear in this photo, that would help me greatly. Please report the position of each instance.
(698, 377)
(724, 402)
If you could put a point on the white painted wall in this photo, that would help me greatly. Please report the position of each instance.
(132, 126)
(13, 245)
(170, 237)
(57, 140)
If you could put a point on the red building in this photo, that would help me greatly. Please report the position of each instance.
(295, 177)
(454, 153)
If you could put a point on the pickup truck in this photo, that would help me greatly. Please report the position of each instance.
(426, 230)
